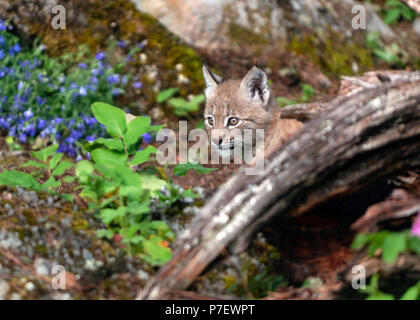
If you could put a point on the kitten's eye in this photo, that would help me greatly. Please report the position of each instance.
(210, 121)
(233, 121)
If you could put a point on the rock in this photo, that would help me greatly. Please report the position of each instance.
(212, 24)
(4, 289)
(42, 266)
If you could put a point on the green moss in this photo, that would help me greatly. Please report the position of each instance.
(30, 216)
(334, 57)
(80, 224)
(40, 249)
(229, 281)
(244, 36)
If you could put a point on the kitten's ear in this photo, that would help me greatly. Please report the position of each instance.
(255, 87)
(211, 80)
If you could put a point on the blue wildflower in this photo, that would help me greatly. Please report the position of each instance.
(147, 137)
(116, 92)
(41, 124)
(91, 137)
(82, 65)
(113, 78)
(82, 91)
(22, 137)
(20, 85)
(137, 85)
(100, 55)
(28, 114)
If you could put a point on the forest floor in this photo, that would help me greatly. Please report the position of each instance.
(298, 258)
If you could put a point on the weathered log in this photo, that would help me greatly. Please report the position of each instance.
(359, 139)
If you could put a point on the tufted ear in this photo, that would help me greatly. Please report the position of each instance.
(211, 80)
(255, 88)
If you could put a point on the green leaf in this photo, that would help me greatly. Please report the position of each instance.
(61, 168)
(67, 197)
(105, 156)
(44, 154)
(195, 102)
(392, 15)
(130, 191)
(394, 244)
(135, 129)
(283, 101)
(114, 144)
(17, 178)
(54, 160)
(142, 156)
(189, 193)
(105, 233)
(377, 242)
(412, 293)
(386, 55)
(151, 182)
(139, 208)
(113, 118)
(35, 164)
(51, 183)
(109, 215)
(414, 244)
(120, 174)
(84, 168)
(182, 169)
(166, 94)
(408, 13)
(156, 251)
(381, 296)
(361, 239)
(69, 179)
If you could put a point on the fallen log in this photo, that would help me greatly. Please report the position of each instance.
(361, 137)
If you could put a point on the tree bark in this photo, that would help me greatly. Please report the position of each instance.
(360, 138)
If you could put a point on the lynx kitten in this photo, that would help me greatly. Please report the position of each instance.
(243, 104)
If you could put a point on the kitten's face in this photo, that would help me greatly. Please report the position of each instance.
(235, 105)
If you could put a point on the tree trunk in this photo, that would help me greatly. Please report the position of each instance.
(361, 137)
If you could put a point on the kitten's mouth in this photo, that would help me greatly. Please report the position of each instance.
(230, 146)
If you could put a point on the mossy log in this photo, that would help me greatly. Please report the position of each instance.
(359, 139)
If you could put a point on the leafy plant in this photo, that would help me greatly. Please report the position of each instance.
(120, 195)
(181, 107)
(390, 243)
(396, 10)
(182, 169)
(412, 293)
(307, 93)
(388, 53)
(49, 164)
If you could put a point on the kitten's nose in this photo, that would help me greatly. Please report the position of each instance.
(217, 141)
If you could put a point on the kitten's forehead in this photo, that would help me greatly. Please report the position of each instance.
(225, 100)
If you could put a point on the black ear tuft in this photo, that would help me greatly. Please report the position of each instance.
(211, 80)
(255, 87)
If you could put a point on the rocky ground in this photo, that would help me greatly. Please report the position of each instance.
(38, 232)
